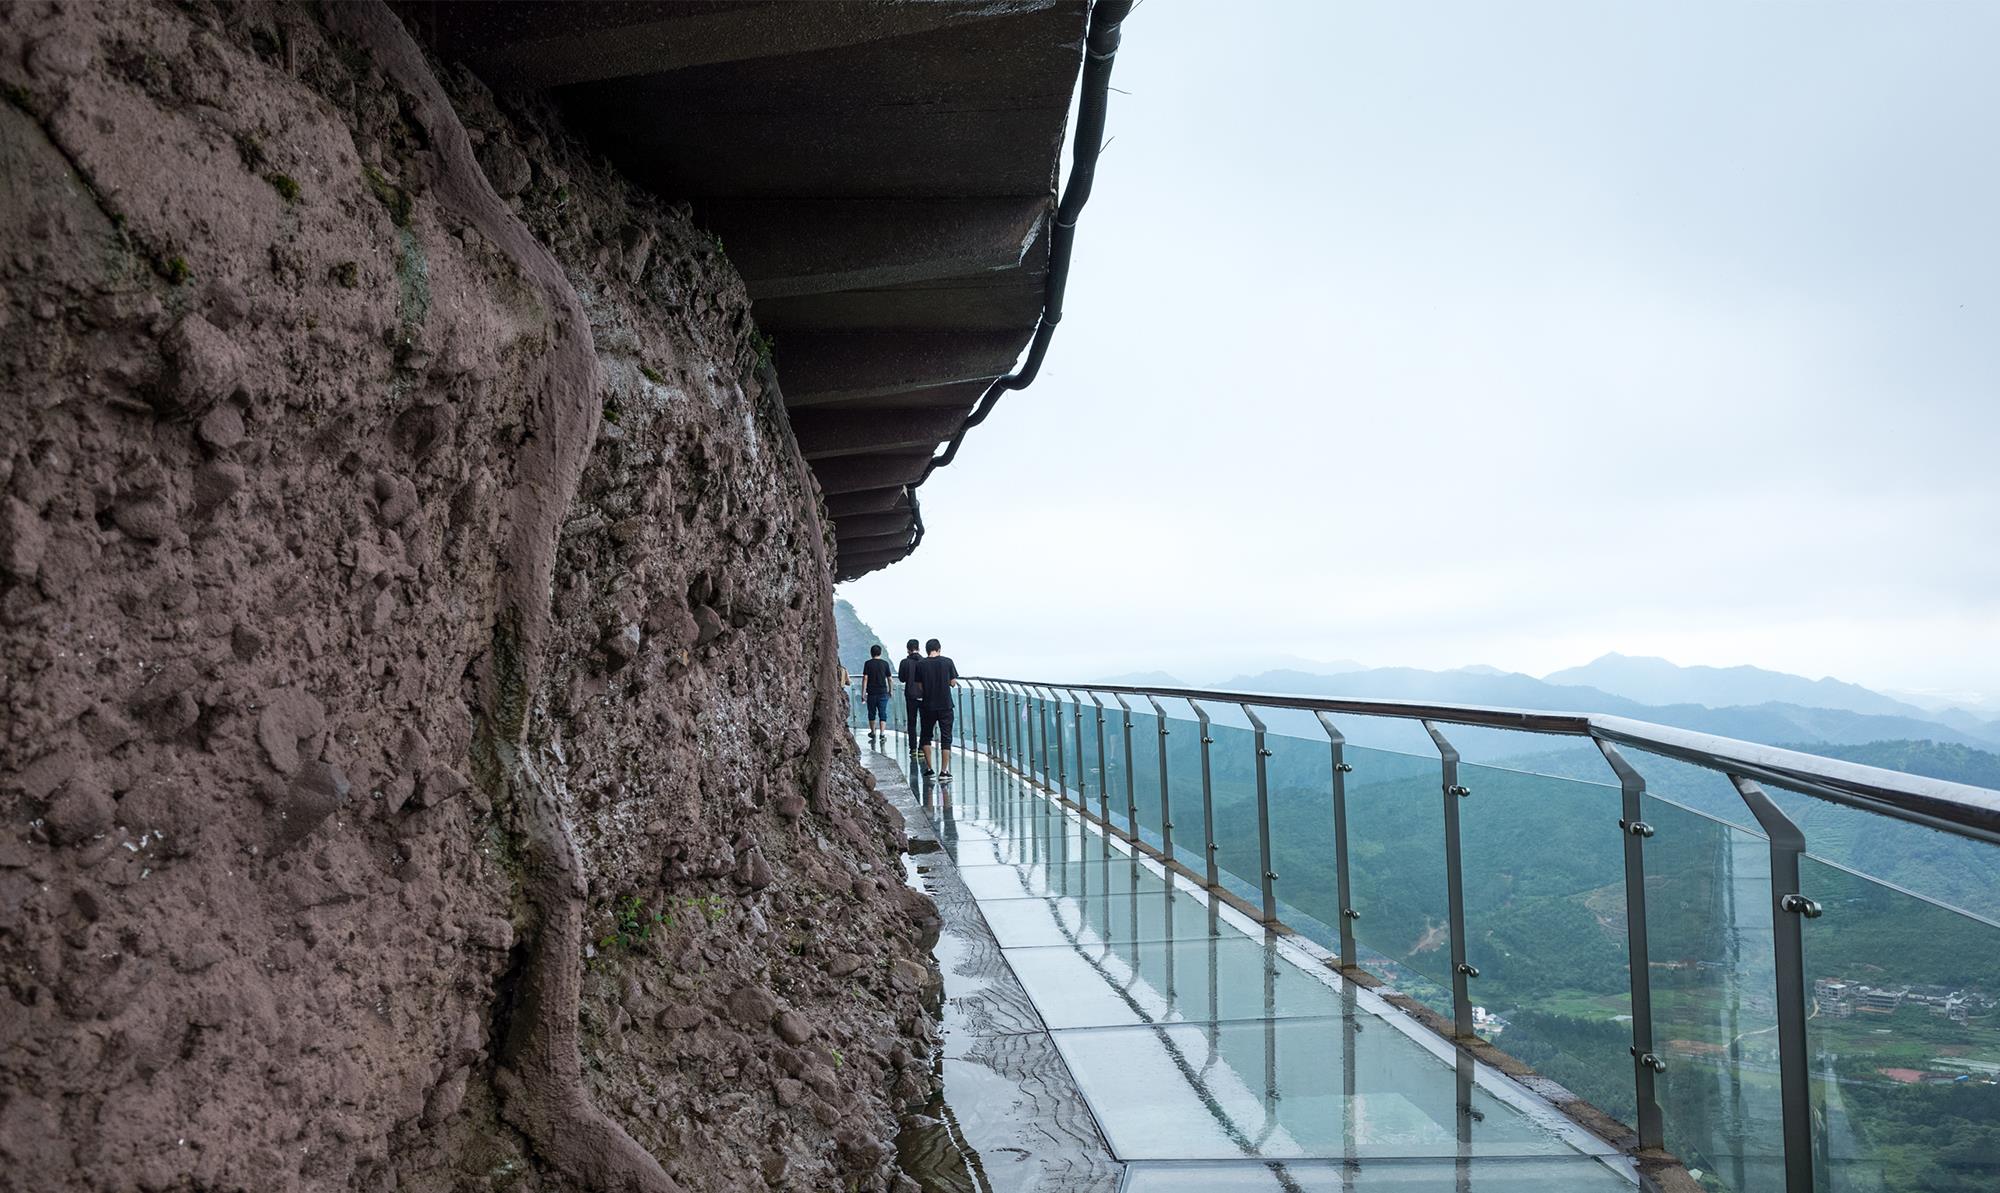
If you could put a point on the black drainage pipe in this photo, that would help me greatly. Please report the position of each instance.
(1100, 49)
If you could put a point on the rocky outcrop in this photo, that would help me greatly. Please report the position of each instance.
(420, 768)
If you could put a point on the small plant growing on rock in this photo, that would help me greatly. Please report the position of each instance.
(632, 923)
(392, 197)
(711, 906)
(286, 186)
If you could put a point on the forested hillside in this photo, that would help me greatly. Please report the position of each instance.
(856, 636)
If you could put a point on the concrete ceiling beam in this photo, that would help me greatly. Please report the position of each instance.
(858, 526)
(785, 248)
(850, 566)
(853, 474)
(867, 501)
(538, 43)
(832, 431)
(875, 542)
(848, 366)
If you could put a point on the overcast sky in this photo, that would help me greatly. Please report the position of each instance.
(1435, 334)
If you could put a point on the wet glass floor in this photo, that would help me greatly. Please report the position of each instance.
(1218, 1059)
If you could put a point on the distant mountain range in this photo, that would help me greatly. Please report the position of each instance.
(1656, 681)
(1749, 703)
(1770, 721)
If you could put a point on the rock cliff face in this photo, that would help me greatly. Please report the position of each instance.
(420, 766)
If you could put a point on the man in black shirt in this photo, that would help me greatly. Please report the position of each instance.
(875, 673)
(939, 675)
(913, 692)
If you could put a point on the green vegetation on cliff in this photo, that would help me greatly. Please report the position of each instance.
(856, 636)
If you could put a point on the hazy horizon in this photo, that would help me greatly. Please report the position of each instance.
(1200, 669)
(1508, 336)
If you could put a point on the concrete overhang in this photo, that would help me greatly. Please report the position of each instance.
(882, 173)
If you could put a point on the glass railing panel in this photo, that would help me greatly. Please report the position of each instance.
(983, 728)
(1013, 728)
(1233, 776)
(1061, 769)
(1079, 731)
(1184, 784)
(1116, 767)
(1903, 1031)
(1063, 765)
(1542, 860)
(1708, 921)
(1299, 773)
(1395, 819)
(1146, 770)
(1943, 867)
(1052, 770)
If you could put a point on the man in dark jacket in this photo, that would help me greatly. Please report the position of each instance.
(913, 692)
(939, 675)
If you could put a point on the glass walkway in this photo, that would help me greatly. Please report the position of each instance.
(1214, 1057)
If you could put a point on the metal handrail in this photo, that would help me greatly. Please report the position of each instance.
(1936, 803)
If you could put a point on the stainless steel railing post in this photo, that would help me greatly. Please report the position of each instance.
(1208, 849)
(1025, 761)
(1082, 783)
(1646, 1063)
(1131, 797)
(1041, 723)
(1343, 884)
(1028, 732)
(1009, 747)
(1103, 769)
(1062, 771)
(1018, 719)
(1788, 908)
(1454, 878)
(1267, 877)
(1166, 804)
(1038, 737)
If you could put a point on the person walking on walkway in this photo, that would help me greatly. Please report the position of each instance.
(913, 693)
(939, 676)
(875, 673)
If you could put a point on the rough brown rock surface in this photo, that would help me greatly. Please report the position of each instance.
(419, 768)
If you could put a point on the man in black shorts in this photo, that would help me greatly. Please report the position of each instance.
(913, 692)
(939, 675)
(875, 672)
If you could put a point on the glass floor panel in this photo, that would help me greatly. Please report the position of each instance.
(1231, 977)
(1291, 1088)
(1577, 1174)
(1102, 920)
(1035, 880)
(976, 849)
(1050, 829)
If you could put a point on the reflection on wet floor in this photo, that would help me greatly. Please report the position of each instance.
(1217, 1058)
